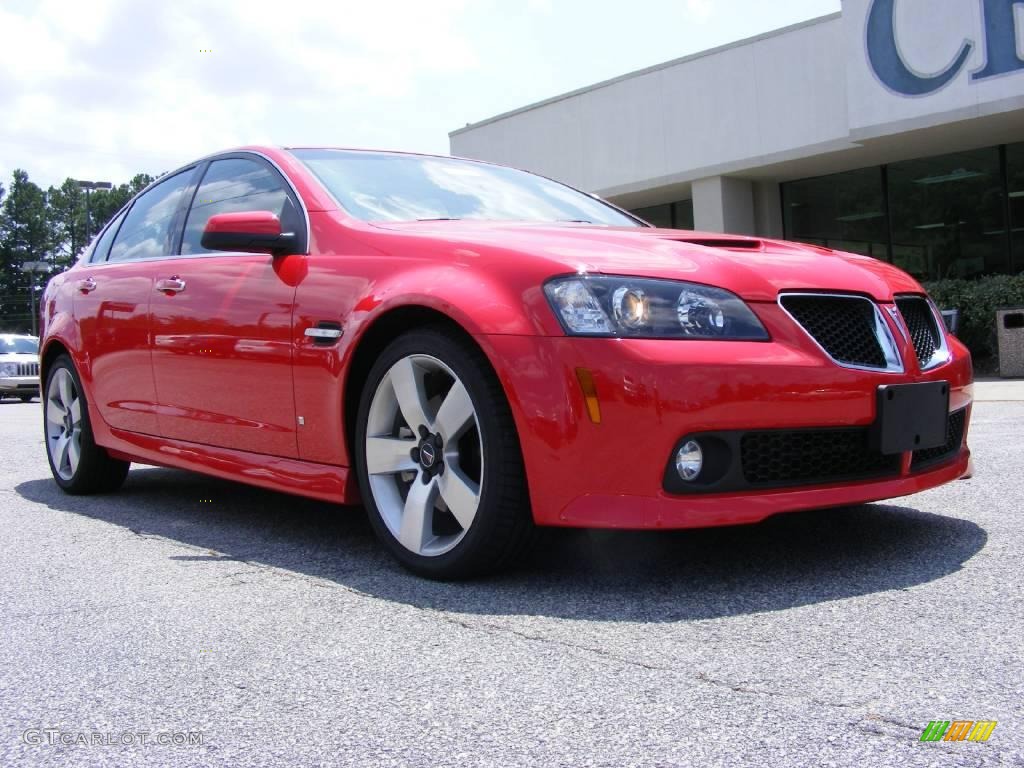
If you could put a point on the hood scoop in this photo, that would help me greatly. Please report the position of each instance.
(745, 244)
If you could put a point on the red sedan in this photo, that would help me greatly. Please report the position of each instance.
(470, 350)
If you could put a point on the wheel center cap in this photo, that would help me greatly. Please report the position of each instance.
(428, 455)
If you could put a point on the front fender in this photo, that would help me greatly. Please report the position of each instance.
(357, 292)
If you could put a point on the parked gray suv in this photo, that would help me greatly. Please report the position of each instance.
(19, 366)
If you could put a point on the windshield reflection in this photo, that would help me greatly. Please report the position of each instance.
(380, 186)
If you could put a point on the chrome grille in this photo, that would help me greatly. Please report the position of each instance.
(849, 329)
(28, 369)
(924, 330)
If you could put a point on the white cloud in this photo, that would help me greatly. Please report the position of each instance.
(111, 88)
(701, 9)
(102, 89)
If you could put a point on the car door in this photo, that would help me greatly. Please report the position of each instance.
(111, 305)
(221, 322)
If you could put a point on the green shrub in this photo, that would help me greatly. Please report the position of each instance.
(978, 301)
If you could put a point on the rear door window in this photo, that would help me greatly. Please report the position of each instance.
(148, 229)
(99, 253)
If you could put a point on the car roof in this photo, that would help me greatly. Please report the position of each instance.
(271, 150)
(385, 152)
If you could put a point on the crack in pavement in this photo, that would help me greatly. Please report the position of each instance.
(702, 677)
(496, 630)
(63, 611)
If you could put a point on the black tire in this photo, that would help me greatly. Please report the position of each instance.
(503, 526)
(26, 398)
(97, 472)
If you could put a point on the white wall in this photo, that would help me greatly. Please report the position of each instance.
(929, 34)
(686, 120)
(731, 122)
(724, 204)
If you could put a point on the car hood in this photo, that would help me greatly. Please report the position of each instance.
(756, 269)
(12, 357)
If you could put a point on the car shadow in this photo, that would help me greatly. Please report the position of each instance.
(787, 561)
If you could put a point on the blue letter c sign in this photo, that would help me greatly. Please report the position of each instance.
(887, 61)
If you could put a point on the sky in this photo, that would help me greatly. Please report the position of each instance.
(104, 89)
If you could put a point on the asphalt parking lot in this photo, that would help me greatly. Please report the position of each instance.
(281, 632)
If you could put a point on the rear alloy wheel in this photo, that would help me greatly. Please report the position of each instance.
(79, 465)
(440, 466)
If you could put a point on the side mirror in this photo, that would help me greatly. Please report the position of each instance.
(247, 231)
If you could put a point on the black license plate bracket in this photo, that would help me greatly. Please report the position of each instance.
(911, 417)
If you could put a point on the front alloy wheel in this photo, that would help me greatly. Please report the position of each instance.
(440, 466)
(424, 455)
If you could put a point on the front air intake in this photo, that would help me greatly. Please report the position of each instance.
(794, 457)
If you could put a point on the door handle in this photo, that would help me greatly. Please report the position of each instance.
(88, 285)
(171, 285)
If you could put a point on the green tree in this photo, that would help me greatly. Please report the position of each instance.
(66, 209)
(24, 236)
(37, 226)
(66, 214)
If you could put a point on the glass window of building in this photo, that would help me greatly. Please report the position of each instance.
(845, 211)
(677, 215)
(658, 215)
(684, 214)
(949, 215)
(1015, 193)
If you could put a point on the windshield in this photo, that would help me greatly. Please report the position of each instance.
(377, 186)
(18, 345)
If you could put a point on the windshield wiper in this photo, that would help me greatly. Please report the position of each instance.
(441, 218)
(574, 221)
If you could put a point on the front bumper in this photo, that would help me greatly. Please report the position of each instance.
(19, 385)
(653, 392)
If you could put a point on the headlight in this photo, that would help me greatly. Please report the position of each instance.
(640, 307)
(8, 369)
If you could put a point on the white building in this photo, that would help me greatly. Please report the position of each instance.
(894, 128)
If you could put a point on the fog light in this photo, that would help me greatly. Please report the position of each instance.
(689, 460)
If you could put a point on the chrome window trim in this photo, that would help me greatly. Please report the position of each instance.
(170, 257)
(887, 342)
(196, 164)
